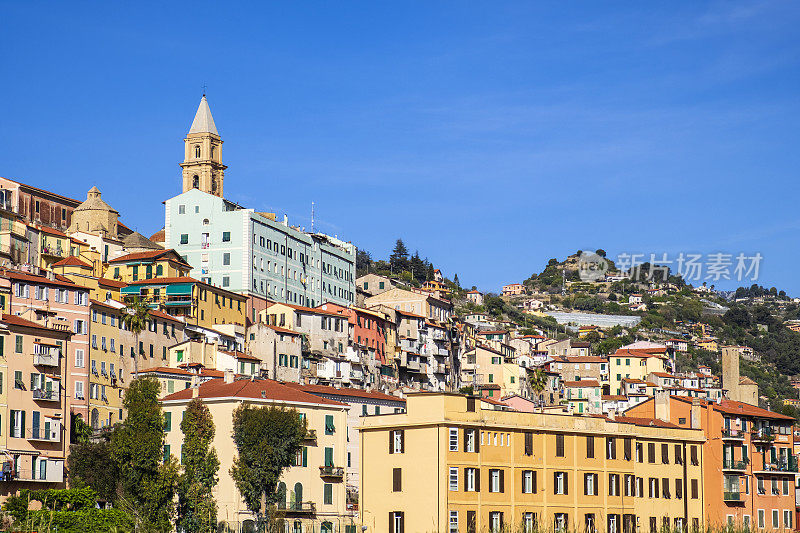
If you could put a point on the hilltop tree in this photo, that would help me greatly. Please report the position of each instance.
(456, 282)
(148, 482)
(363, 262)
(267, 441)
(399, 258)
(197, 509)
(429, 273)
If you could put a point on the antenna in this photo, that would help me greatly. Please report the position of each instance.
(312, 217)
(204, 89)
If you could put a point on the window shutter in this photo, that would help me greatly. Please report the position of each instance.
(477, 479)
(391, 444)
(305, 456)
(466, 438)
(627, 447)
(396, 480)
(477, 440)
(402, 441)
(391, 523)
(402, 522)
(586, 484)
(528, 443)
(534, 481)
(465, 479)
(555, 482)
(502, 480)
(589, 447)
(501, 521)
(22, 430)
(11, 423)
(566, 482)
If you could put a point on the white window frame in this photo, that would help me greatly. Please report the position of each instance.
(453, 523)
(470, 481)
(527, 482)
(453, 439)
(453, 478)
(762, 518)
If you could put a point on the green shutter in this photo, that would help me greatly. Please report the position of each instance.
(2, 346)
(305, 456)
(23, 425)
(166, 453)
(328, 456)
(19, 344)
(167, 421)
(328, 495)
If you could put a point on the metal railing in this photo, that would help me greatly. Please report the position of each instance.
(731, 496)
(49, 434)
(49, 395)
(733, 464)
(733, 434)
(331, 471)
(45, 359)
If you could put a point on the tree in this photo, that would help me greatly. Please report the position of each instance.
(398, 261)
(600, 252)
(537, 381)
(148, 481)
(429, 272)
(134, 318)
(456, 282)
(363, 262)
(267, 441)
(81, 432)
(197, 509)
(92, 464)
(417, 267)
(72, 510)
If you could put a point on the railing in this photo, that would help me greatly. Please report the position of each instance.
(51, 434)
(45, 359)
(311, 434)
(731, 496)
(764, 435)
(733, 434)
(47, 395)
(298, 507)
(54, 251)
(781, 466)
(331, 471)
(733, 464)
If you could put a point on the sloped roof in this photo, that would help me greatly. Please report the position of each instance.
(152, 254)
(72, 261)
(345, 391)
(137, 240)
(203, 121)
(252, 389)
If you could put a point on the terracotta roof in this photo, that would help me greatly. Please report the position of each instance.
(631, 380)
(25, 185)
(240, 355)
(638, 421)
(152, 254)
(344, 391)
(23, 276)
(161, 314)
(580, 344)
(72, 261)
(306, 309)
(92, 301)
(245, 388)
(582, 383)
(664, 375)
(744, 380)
(158, 236)
(736, 408)
(638, 352)
(580, 359)
(493, 332)
(52, 231)
(14, 320)
(494, 402)
(111, 282)
(280, 329)
(612, 397)
(406, 313)
(164, 281)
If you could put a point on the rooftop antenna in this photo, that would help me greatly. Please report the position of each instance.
(204, 89)
(312, 217)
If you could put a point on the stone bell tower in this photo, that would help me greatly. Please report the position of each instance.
(202, 161)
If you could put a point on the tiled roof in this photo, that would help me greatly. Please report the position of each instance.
(23, 276)
(164, 281)
(664, 375)
(14, 320)
(152, 254)
(111, 283)
(51, 231)
(580, 359)
(638, 421)
(582, 383)
(280, 329)
(306, 309)
(344, 391)
(161, 314)
(72, 261)
(252, 389)
(612, 397)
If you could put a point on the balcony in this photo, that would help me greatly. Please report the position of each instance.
(331, 471)
(781, 466)
(45, 359)
(764, 435)
(48, 433)
(733, 434)
(733, 497)
(52, 251)
(733, 464)
(47, 395)
(298, 507)
(311, 435)
(438, 368)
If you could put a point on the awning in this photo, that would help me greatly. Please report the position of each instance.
(180, 289)
(131, 289)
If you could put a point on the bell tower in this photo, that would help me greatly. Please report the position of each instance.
(202, 161)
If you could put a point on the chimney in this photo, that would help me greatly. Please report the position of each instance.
(662, 405)
(229, 376)
(195, 391)
(612, 414)
(695, 414)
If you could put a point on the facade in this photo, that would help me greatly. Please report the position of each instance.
(279, 349)
(372, 284)
(459, 464)
(475, 297)
(37, 206)
(202, 161)
(583, 396)
(148, 265)
(750, 465)
(636, 364)
(315, 495)
(513, 289)
(420, 303)
(34, 408)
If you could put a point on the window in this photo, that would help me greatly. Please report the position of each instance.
(559, 445)
(639, 452)
(679, 455)
(496, 480)
(528, 481)
(693, 454)
(528, 443)
(611, 448)
(775, 523)
(665, 454)
(560, 482)
(589, 447)
(327, 494)
(397, 480)
(184, 238)
(613, 484)
(453, 522)
(453, 439)
(453, 478)
(651, 452)
(694, 489)
(472, 480)
(590, 484)
(397, 441)
(561, 521)
(167, 421)
(329, 427)
(761, 519)
(787, 519)
(226, 281)
(678, 488)
(665, 488)
(396, 522)
(226, 258)
(471, 440)
(226, 236)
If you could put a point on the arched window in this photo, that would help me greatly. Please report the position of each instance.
(159, 270)
(298, 527)
(326, 527)
(95, 419)
(197, 151)
(298, 495)
(281, 492)
(196, 182)
(212, 151)
(213, 184)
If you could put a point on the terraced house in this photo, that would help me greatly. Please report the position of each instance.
(459, 464)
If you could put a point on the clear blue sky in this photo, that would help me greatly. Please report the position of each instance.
(490, 136)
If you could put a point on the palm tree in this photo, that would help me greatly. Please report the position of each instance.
(537, 381)
(135, 317)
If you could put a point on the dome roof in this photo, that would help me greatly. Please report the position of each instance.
(137, 241)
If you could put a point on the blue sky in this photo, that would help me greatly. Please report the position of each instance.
(489, 136)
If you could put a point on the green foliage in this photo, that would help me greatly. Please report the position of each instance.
(197, 510)
(135, 318)
(81, 432)
(398, 260)
(64, 510)
(148, 483)
(267, 440)
(92, 464)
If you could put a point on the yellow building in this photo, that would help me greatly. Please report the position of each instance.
(458, 464)
(55, 245)
(109, 369)
(148, 265)
(198, 303)
(707, 343)
(633, 364)
(314, 489)
(84, 274)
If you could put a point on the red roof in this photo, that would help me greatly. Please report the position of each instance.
(51, 231)
(151, 254)
(580, 359)
(611, 397)
(307, 309)
(72, 261)
(639, 352)
(111, 283)
(582, 383)
(23, 276)
(255, 389)
(14, 320)
(495, 332)
(280, 329)
(161, 314)
(638, 421)
(406, 313)
(344, 391)
(164, 281)
(664, 375)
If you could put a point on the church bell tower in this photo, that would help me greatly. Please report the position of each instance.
(202, 161)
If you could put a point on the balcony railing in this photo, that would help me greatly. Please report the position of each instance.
(733, 434)
(782, 466)
(45, 359)
(733, 464)
(47, 395)
(311, 434)
(298, 507)
(46, 433)
(331, 471)
(763, 435)
(729, 496)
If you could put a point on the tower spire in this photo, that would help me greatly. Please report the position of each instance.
(203, 121)
(202, 162)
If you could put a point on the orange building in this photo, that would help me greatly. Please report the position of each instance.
(749, 465)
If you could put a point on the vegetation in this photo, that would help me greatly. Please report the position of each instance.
(267, 441)
(401, 265)
(92, 464)
(71, 510)
(148, 480)
(134, 318)
(197, 509)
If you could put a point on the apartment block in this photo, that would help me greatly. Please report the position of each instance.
(461, 464)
